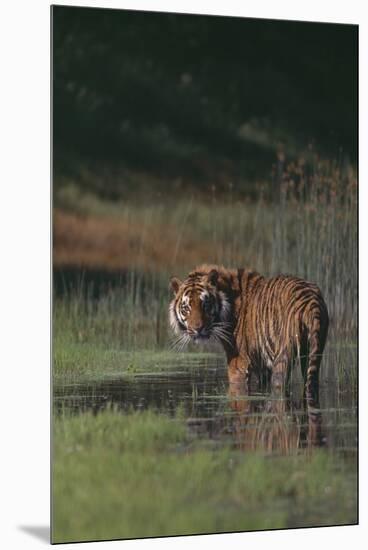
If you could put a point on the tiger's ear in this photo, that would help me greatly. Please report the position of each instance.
(213, 277)
(175, 284)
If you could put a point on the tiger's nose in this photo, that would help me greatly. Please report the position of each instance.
(197, 331)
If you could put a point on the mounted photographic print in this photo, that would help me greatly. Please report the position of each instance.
(205, 373)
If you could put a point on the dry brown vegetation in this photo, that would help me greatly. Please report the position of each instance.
(112, 243)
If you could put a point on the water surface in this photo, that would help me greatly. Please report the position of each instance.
(200, 395)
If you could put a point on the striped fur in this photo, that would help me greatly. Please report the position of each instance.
(264, 324)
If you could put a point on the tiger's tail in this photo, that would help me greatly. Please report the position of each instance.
(318, 328)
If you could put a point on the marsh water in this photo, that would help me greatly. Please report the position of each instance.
(200, 396)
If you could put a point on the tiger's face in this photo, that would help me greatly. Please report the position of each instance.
(199, 309)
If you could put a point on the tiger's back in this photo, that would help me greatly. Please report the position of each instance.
(282, 320)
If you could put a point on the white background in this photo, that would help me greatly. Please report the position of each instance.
(25, 268)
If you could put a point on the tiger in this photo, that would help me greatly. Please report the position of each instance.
(265, 325)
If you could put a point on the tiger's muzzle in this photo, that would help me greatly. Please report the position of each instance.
(200, 333)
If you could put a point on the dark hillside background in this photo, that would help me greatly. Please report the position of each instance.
(197, 97)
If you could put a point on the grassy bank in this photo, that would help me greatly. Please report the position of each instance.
(111, 471)
(75, 362)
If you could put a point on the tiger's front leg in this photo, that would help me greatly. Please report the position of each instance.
(239, 373)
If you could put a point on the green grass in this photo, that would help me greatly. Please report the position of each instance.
(137, 475)
(77, 362)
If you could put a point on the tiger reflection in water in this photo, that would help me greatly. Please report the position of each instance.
(272, 424)
(276, 425)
